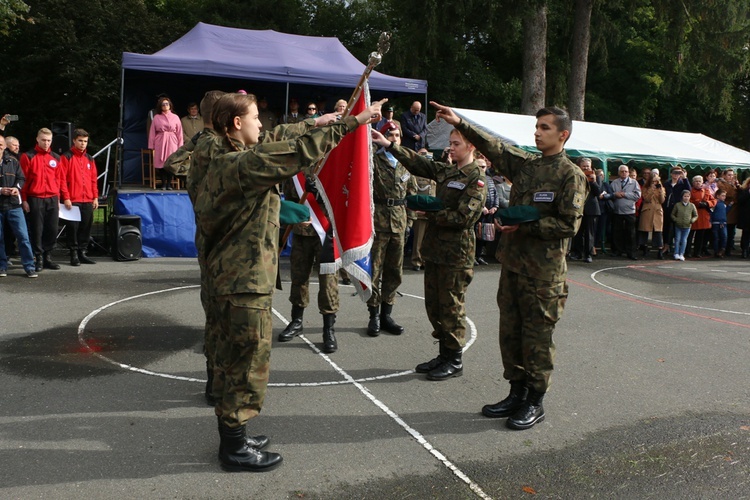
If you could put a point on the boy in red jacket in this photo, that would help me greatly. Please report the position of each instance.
(80, 176)
(45, 186)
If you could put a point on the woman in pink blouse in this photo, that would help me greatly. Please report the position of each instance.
(164, 137)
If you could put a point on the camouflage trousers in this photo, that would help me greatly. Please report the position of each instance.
(305, 255)
(444, 296)
(529, 310)
(418, 230)
(208, 337)
(242, 360)
(387, 258)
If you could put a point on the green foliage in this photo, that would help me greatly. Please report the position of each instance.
(659, 63)
(11, 12)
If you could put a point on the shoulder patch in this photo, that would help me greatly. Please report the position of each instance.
(480, 183)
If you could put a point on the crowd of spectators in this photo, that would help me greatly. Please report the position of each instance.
(649, 213)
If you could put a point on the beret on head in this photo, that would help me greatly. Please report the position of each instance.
(388, 127)
(293, 213)
(517, 214)
(424, 203)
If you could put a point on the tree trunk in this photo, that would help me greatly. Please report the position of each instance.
(579, 59)
(534, 58)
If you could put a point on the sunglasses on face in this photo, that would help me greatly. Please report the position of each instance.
(312, 109)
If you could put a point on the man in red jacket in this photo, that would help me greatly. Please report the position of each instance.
(81, 176)
(45, 185)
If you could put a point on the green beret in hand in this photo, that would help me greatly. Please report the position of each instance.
(293, 213)
(517, 214)
(424, 203)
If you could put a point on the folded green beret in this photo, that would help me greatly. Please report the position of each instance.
(292, 213)
(424, 203)
(517, 214)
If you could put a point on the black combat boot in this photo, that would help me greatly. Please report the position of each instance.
(258, 442)
(430, 365)
(329, 338)
(451, 367)
(373, 327)
(47, 262)
(74, 258)
(38, 263)
(386, 322)
(236, 455)
(210, 399)
(84, 258)
(294, 328)
(509, 405)
(530, 413)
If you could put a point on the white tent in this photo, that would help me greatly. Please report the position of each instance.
(607, 142)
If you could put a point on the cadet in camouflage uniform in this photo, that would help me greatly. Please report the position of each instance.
(238, 215)
(532, 290)
(391, 183)
(204, 145)
(448, 246)
(306, 249)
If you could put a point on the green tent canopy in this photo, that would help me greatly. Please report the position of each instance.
(612, 145)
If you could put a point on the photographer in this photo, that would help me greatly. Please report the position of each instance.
(5, 120)
(652, 214)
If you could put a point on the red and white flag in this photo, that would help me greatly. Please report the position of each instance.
(345, 185)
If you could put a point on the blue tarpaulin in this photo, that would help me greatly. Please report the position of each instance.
(167, 222)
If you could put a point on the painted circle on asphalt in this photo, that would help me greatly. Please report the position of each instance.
(82, 341)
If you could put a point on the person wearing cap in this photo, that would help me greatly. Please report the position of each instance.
(673, 189)
(449, 245)
(532, 291)
(267, 117)
(624, 192)
(388, 118)
(391, 183)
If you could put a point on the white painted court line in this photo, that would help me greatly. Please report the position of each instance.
(651, 299)
(347, 379)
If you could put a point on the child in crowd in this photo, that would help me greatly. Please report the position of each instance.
(683, 216)
(719, 223)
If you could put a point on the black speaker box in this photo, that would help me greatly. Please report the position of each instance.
(125, 231)
(62, 137)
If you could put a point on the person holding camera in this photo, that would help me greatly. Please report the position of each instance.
(652, 214)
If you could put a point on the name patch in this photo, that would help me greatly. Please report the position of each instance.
(456, 185)
(405, 177)
(544, 196)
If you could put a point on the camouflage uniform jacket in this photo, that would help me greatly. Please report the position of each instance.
(209, 142)
(389, 183)
(449, 239)
(552, 184)
(238, 215)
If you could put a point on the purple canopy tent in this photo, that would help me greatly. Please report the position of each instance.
(215, 57)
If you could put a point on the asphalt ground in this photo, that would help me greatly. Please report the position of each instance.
(103, 374)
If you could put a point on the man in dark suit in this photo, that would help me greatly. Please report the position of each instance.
(414, 126)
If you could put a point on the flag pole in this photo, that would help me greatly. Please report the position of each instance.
(375, 58)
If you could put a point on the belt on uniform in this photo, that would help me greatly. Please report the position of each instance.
(390, 202)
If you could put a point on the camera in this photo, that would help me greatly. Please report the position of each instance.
(12, 118)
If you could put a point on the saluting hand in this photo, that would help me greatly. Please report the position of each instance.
(379, 138)
(326, 119)
(372, 113)
(445, 113)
